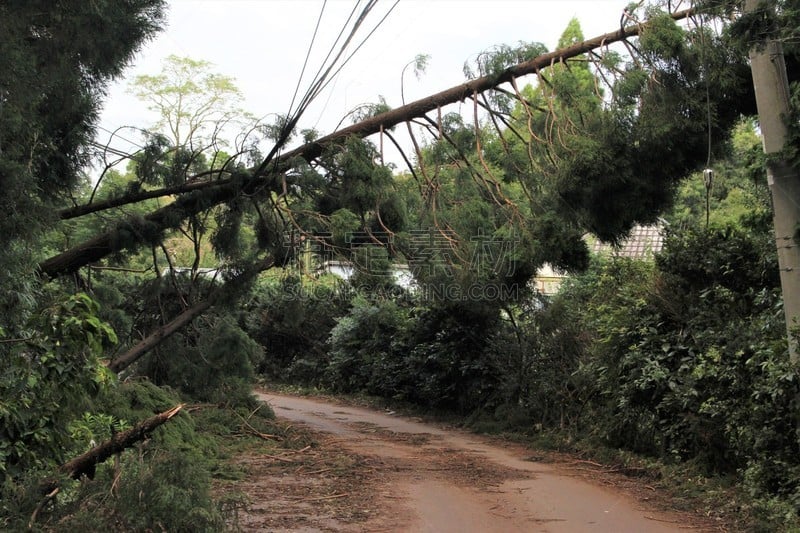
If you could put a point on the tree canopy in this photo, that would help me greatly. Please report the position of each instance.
(52, 86)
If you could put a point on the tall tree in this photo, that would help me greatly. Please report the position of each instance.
(58, 59)
(55, 70)
(193, 102)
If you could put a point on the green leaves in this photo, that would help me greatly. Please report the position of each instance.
(47, 381)
(687, 361)
(497, 59)
(54, 77)
(662, 38)
(428, 355)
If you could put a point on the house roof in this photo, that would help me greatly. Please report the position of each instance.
(643, 243)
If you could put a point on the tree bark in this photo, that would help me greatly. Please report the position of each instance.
(118, 364)
(85, 463)
(138, 232)
(102, 205)
(224, 190)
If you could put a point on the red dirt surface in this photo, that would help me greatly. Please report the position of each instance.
(376, 471)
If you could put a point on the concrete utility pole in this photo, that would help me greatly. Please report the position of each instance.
(772, 98)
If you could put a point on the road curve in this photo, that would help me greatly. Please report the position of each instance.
(452, 481)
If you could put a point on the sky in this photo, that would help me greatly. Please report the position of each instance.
(262, 44)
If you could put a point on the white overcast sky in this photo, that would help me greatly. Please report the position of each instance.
(262, 44)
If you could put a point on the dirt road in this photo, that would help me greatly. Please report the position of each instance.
(376, 471)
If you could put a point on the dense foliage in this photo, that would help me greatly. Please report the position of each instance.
(688, 362)
(683, 360)
(58, 399)
(50, 88)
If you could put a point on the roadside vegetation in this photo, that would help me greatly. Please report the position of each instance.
(675, 369)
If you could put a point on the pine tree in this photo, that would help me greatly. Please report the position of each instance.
(57, 62)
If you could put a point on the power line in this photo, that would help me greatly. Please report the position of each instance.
(308, 54)
(321, 80)
(107, 148)
(115, 134)
(333, 46)
(362, 43)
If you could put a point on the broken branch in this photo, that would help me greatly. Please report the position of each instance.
(85, 463)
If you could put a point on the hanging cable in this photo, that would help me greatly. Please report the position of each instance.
(708, 172)
(321, 79)
(308, 54)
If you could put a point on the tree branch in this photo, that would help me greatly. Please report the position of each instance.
(85, 463)
(265, 176)
(156, 337)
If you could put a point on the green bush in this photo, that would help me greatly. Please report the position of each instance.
(292, 320)
(166, 490)
(215, 364)
(160, 484)
(442, 357)
(688, 361)
(47, 380)
(453, 357)
(546, 382)
(363, 344)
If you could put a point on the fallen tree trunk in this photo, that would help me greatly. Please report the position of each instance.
(102, 205)
(85, 463)
(122, 362)
(130, 232)
(224, 190)
(118, 364)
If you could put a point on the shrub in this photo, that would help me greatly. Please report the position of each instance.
(214, 364)
(689, 361)
(292, 320)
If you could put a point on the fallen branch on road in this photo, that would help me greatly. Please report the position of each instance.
(320, 498)
(86, 463)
